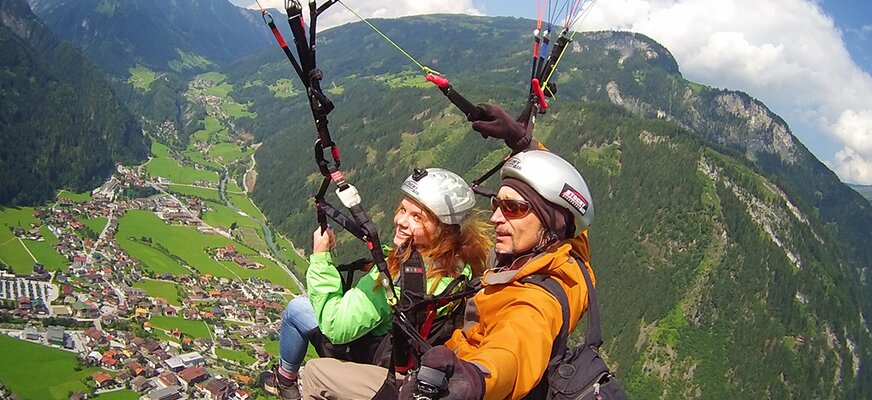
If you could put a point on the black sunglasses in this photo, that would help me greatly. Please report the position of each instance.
(511, 209)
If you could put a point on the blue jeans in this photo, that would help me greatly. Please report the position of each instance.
(298, 321)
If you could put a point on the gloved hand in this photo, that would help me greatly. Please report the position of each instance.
(465, 380)
(497, 123)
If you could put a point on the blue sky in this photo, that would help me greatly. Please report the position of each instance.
(810, 61)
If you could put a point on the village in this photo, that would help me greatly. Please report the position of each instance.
(95, 311)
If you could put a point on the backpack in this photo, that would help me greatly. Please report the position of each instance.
(577, 373)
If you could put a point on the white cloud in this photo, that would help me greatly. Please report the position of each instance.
(787, 53)
(337, 14)
(849, 163)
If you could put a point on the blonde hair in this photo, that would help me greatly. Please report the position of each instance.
(450, 248)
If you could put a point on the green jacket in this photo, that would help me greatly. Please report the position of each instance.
(362, 309)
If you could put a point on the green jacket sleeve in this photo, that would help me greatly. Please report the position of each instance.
(344, 317)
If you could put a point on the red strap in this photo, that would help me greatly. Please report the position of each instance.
(279, 37)
(537, 89)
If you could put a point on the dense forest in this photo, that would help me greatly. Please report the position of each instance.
(61, 124)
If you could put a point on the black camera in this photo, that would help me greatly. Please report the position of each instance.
(431, 383)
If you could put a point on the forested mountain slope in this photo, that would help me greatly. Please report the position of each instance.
(865, 190)
(731, 262)
(150, 49)
(158, 34)
(60, 124)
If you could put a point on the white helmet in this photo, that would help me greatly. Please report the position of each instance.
(556, 180)
(443, 192)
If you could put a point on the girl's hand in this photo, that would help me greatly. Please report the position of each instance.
(322, 242)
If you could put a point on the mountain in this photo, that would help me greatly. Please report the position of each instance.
(865, 190)
(162, 35)
(60, 123)
(731, 262)
(150, 49)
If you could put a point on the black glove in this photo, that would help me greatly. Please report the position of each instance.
(497, 123)
(465, 380)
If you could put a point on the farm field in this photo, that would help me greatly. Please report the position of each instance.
(96, 224)
(197, 191)
(74, 197)
(17, 253)
(164, 166)
(156, 288)
(246, 205)
(125, 394)
(34, 371)
(238, 356)
(152, 259)
(192, 328)
(189, 245)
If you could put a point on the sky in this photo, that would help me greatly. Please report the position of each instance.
(809, 61)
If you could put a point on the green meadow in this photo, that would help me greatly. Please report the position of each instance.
(287, 250)
(14, 252)
(125, 394)
(236, 110)
(228, 152)
(74, 197)
(196, 191)
(198, 158)
(151, 259)
(245, 204)
(161, 335)
(211, 125)
(141, 77)
(174, 172)
(38, 372)
(45, 252)
(164, 166)
(188, 244)
(96, 224)
(192, 328)
(239, 356)
(155, 288)
(225, 216)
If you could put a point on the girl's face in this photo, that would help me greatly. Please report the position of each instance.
(412, 222)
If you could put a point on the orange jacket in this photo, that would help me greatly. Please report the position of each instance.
(510, 326)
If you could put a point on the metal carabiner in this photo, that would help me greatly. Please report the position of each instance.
(323, 164)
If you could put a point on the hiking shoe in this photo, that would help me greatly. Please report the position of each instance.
(291, 392)
(270, 384)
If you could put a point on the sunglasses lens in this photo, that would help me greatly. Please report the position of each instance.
(511, 208)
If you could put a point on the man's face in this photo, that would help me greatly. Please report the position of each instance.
(517, 228)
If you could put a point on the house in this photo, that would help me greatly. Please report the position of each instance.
(193, 375)
(243, 379)
(95, 335)
(175, 364)
(191, 359)
(135, 368)
(168, 379)
(167, 393)
(215, 389)
(55, 335)
(140, 384)
(102, 379)
(30, 333)
(240, 394)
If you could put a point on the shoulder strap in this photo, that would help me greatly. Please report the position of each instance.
(594, 332)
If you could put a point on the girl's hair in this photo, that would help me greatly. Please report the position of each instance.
(450, 248)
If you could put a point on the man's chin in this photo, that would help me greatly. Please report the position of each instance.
(503, 249)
